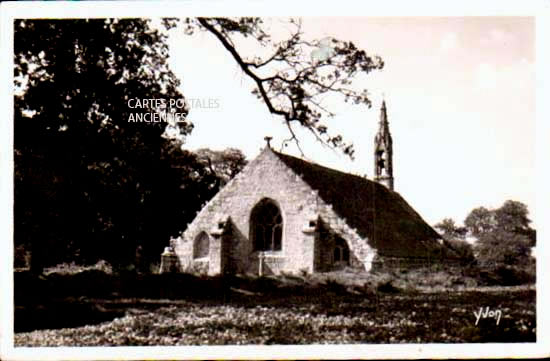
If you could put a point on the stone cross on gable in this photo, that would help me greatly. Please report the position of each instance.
(268, 140)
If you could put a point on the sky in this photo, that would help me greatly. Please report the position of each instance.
(460, 94)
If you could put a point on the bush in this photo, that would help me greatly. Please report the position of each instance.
(334, 286)
(462, 249)
(506, 276)
(503, 248)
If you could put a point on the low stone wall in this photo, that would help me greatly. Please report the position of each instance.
(382, 263)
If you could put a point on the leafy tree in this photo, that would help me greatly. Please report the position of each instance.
(224, 164)
(512, 216)
(204, 172)
(450, 230)
(480, 221)
(504, 236)
(453, 237)
(86, 180)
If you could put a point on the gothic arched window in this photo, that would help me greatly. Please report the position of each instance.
(341, 251)
(266, 225)
(201, 245)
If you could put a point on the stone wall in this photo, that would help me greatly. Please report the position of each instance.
(227, 219)
(382, 264)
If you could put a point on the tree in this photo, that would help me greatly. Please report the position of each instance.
(296, 74)
(453, 237)
(480, 221)
(86, 180)
(504, 236)
(450, 230)
(204, 172)
(224, 164)
(512, 217)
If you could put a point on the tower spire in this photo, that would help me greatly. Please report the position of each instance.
(384, 124)
(383, 151)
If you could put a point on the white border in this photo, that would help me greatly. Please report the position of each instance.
(11, 10)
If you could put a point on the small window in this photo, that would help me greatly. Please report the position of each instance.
(201, 246)
(341, 251)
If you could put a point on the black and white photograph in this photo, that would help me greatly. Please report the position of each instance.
(210, 183)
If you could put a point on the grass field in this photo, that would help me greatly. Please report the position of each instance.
(93, 308)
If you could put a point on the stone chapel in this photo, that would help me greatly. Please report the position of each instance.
(284, 214)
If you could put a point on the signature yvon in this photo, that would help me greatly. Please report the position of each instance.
(488, 313)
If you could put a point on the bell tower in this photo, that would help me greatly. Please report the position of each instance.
(383, 151)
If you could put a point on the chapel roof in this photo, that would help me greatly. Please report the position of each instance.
(392, 226)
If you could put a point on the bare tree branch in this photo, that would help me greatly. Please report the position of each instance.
(311, 69)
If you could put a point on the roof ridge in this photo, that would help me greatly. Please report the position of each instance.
(321, 166)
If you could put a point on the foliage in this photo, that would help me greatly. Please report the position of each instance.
(224, 164)
(86, 180)
(503, 247)
(450, 230)
(503, 235)
(512, 216)
(453, 238)
(463, 249)
(89, 184)
(480, 221)
(505, 275)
